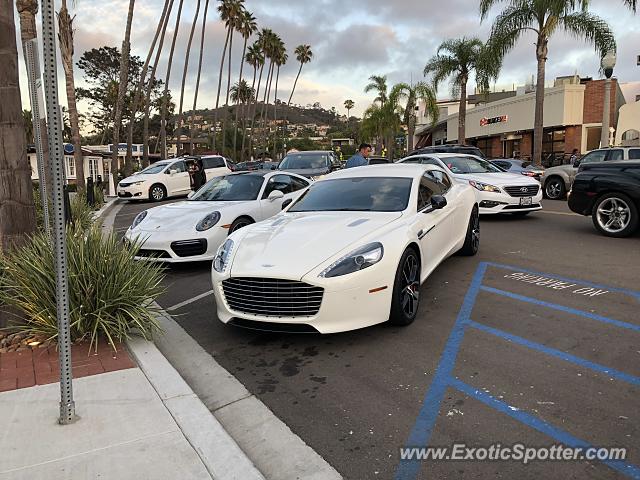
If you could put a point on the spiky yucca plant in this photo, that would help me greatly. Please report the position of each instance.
(110, 294)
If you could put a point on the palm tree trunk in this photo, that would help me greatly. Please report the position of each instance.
(462, 112)
(122, 89)
(275, 111)
(195, 95)
(538, 126)
(215, 112)
(164, 106)
(245, 112)
(178, 126)
(254, 109)
(265, 107)
(294, 84)
(17, 212)
(226, 103)
(411, 132)
(235, 136)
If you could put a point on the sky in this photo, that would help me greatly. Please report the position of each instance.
(351, 40)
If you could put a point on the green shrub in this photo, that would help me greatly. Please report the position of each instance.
(81, 212)
(110, 294)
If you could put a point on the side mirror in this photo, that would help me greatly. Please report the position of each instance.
(438, 202)
(275, 195)
(286, 203)
(191, 194)
(172, 172)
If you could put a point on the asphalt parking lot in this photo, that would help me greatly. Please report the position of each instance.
(536, 340)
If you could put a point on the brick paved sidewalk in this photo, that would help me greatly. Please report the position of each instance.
(40, 365)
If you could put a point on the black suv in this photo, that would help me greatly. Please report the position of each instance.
(610, 193)
(450, 148)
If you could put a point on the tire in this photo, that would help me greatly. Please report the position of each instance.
(157, 192)
(615, 215)
(472, 238)
(555, 189)
(240, 222)
(406, 290)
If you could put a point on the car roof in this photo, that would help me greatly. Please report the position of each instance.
(309, 151)
(391, 170)
(441, 155)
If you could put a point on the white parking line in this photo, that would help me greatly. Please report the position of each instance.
(190, 300)
(560, 213)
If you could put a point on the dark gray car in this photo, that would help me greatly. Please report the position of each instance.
(310, 164)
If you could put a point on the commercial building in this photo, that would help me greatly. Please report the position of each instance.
(573, 110)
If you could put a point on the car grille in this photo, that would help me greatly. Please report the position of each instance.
(272, 297)
(148, 253)
(523, 191)
(189, 248)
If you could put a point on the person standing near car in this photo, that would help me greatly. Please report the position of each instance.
(360, 157)
(197, 175)
(574, 156)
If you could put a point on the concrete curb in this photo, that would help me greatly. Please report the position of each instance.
(220, 454)
(105, 208)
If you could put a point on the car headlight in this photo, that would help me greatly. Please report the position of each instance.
(207, 222)
(222, 256)
(484, 187)
(136, 221)
(359, 259)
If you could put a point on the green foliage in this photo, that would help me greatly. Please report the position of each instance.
(81, 212)
(110, 294)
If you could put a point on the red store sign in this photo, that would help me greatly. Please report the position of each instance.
(489, 121)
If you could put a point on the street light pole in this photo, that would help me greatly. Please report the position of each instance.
(607, 63)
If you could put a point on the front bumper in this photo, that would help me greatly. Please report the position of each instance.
(492, 203)
(168, 247)
(133, 192)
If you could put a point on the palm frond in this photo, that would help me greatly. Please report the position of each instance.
(584, 25)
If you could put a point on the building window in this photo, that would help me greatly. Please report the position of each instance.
(553, 147)
(71, 167)
(93, 168)
(106, 168)
(484, 144)
(593, 138)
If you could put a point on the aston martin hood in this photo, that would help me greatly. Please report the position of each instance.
(290, 245)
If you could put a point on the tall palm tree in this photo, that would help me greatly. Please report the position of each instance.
(197, 88)
(178, 128)
(378, 84)
(122, 89)
(280, 59)
(236, 23)
(270, 49)
(229, 11)
(412, 94)
(384, 120)
(16, 193)
(304, 55)
(255, 58)
(165, 95)
(248, 27)
(457, 59)
(348, 105)
(544, 18)
(264, 37)
(27, 10)
(241, 92)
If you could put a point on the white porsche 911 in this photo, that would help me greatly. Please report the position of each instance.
(350, 252)
(192, 230)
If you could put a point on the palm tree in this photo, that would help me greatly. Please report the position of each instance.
(378, 83)
(264, 37)
(122, 89)
(271, 48)
(280, 59)
(229, 11)
(165, 95)
(195, 95)
(544, 18)
(384, 121)
(236, 23)
(255, 58)
(16, 193)
(304, 55)
(348, 105)
(420, 92)
(457, 59)
(241, 93)
(248, 27)
(178, 128)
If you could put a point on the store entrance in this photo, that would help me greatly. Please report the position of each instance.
(509, 147)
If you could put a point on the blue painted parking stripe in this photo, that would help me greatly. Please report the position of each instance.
(633, 293)
(612, 372)
(540, 425)
(562, 308)
(422, 429)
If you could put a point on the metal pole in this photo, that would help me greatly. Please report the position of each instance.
(35, 91)
(606, 113)
(56, 152)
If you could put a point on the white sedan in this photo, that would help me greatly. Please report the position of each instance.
(497, 191)
(192, 230)
(352, 251)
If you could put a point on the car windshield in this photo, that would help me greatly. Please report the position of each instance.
(304, 161)
(469, 165)
(155, 168)
(230, 188)
(371, 194)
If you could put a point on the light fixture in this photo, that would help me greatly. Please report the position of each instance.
(608, 62)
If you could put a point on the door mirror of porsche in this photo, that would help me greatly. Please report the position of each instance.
(438, 202)
(275, 195)
(286, 203)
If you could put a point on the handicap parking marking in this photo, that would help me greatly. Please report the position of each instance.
(444, 379)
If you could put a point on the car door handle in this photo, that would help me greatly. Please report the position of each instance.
(422, 233)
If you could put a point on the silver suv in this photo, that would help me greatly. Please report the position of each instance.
(557, 181)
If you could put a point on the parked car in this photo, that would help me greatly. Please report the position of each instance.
(523, 167)
(377, 160)
(194, 229)
(168, 178)
(557, 181)
(449, 148)
(610, 193)
(350, 252)
(268, 165)
(497, 191)
(248, 166)
(311, 164)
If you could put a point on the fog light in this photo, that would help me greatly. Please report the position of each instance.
(489, 204)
